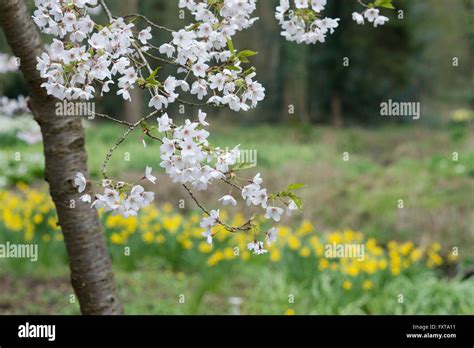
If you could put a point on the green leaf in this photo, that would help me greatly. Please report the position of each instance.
(153, 74)
(230, 45)
(246, 53)
(249, 71)
(294, 187)
(384, 3)
(141, 82)
(244, 166)
(232, 67)
(390, 6)
(242, 56)
(298, 201)
(151, 81)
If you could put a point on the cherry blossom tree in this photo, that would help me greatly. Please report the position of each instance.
(85, 58)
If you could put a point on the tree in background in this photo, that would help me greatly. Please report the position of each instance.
(359, 69)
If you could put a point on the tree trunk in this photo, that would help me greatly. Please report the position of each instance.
(294, 90)
(63, 137)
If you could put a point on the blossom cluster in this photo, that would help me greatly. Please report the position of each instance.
(372, 15)
(91, 54)
(188, 158)
(8, 63)
(303, 22)
(10, 107)
(24, 128)
(118, 197)
(14, 113)
(95, 54)
(204, 50)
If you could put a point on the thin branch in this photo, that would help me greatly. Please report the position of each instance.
(120, 140)
(231, 184)
(136, 15)
(170, 62)
(125, 123)
(148, 133)
(106, 9)
(196, 200)
(144, 60)
(113, 148)
(244, 228)
(193, 104)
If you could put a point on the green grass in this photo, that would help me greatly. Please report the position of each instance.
(263, 291)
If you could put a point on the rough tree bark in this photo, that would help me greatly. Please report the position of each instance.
(63, 137)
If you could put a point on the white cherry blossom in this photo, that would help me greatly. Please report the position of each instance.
(271, 236)
(149, 176)
(144, 35)
(228, 200)
(274, 213)
(80, 182)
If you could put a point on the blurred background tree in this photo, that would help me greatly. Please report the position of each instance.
(360, 67)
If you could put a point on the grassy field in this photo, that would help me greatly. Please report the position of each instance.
(158, 291)
(361, 193)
